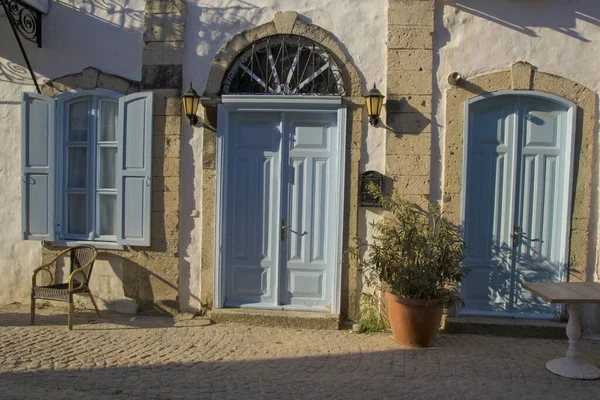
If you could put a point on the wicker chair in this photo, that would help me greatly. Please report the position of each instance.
(81, 265)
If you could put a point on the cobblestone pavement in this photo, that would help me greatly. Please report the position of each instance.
(149, 357)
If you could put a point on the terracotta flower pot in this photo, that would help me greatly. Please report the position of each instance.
(414, 322)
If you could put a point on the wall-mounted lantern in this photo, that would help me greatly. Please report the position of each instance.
(190, 104)
(366, 199)
(374, 102)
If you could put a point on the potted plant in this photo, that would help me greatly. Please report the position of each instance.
(415, 257)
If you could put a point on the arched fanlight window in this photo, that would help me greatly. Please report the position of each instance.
(284, 65)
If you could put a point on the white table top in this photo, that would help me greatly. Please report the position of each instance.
(566, 292)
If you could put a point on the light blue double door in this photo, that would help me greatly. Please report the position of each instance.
(516, 209)
(280, 200)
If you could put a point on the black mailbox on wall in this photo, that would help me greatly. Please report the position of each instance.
(366, 199)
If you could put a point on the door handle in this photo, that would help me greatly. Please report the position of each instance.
(284, 229)
(517, 234)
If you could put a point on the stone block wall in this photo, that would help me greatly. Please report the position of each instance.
(408, 97)
(162, 72)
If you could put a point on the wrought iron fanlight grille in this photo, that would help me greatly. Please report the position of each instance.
(284, 65)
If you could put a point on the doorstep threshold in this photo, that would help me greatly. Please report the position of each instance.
(276, 318)
(512, 327)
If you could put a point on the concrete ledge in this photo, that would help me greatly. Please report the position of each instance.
(540, 329)
(277, 318)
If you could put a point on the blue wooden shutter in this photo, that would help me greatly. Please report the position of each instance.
(38, 167)
(134, 189)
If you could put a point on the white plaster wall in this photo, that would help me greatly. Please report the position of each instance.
(360, 27)
(475, 37)
(105, 34)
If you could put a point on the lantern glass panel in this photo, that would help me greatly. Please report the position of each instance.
(377, 105)
(187, 104)
(195, 104)
(369, 104)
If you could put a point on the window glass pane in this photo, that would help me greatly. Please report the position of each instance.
(108, 167)
(76, 213)
(108, 214)
(109, 111)
(77, 173)
(78, 121)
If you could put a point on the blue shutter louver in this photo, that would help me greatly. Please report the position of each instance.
(135, 169)
(37, 166)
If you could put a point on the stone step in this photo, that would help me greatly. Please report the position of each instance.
(276, 318)
(523, 328)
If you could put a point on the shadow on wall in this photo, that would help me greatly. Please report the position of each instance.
(140, 285)
(521, 15)
(94, 39)
(220, 24)
(142, 290)
(216, 25)
(13, 72)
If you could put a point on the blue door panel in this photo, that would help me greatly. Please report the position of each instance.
(515, 170)
(279, 235)
(251, 209)
(312, 149)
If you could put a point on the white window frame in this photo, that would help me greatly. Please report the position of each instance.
(63, 100)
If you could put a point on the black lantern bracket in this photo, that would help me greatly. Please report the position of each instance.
(366, 198)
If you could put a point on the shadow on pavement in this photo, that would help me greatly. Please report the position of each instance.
(14, 315)
(402, 374)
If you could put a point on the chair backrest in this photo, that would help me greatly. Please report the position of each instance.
(80, 256)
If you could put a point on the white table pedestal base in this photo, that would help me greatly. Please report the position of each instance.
(570, 369)
(572, 366)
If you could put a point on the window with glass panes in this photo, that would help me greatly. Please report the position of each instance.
(86, 163)
(90, 176)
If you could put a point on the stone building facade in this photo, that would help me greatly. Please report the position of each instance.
(539, 60)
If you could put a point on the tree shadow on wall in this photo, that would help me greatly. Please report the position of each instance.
(99, 25)
(521, 16)
(220, 24)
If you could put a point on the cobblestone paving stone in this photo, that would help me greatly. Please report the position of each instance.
(149, 357)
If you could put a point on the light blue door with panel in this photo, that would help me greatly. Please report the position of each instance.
(516, 206)
(278, 221)
(308, 220)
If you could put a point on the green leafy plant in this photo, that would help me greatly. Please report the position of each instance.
(371, 317)
(415, 253)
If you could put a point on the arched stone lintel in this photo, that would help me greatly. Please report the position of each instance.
(524, 76)
(90, 78)
(285, 22)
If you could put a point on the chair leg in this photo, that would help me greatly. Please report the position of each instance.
(70, 312)
(94, 303)
(32, 320)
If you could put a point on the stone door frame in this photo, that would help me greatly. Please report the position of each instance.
(284, 23)
(523, 76)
